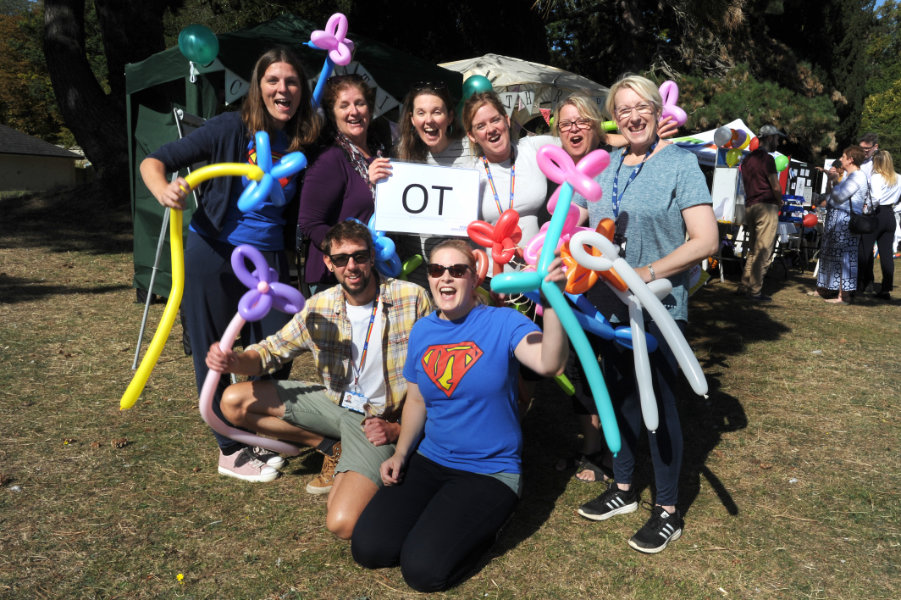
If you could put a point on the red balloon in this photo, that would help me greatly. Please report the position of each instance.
(810, 220)
(481, 233)
(754, 144)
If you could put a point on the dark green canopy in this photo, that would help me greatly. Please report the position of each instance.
(163, 81)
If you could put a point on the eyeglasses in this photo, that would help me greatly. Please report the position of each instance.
(456, 271)
(578, 123)
(625, 111)
(340, 260)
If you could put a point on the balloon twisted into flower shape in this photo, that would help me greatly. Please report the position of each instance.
(265, 293)
(340, 50)
(334, 39)
(590, 166)
(269, 186)
(558, 166)
(641, 297)
(501, 238)
(387, 262)
(669, 91)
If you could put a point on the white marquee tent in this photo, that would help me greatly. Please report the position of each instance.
(527, 87)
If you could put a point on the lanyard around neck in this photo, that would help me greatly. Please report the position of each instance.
(497, 201)
(359, 370)
(617, 198)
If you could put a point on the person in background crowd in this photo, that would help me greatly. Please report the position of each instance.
(763, 200)
(839, 252)
(885, 188)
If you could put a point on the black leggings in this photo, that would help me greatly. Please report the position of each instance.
(436, 524)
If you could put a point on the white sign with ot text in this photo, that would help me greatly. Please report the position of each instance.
(427, 199)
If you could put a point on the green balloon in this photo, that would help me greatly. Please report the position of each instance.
(781, 162)
(476, 84)
(198, 44)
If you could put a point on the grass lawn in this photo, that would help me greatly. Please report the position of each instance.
(790, 485)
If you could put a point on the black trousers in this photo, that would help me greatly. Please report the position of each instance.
(883, 238)
(436, 524)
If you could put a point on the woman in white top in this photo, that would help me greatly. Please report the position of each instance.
(429, 134)
(509, 170)
(885, 188)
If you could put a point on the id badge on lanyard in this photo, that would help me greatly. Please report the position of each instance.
(355, 401)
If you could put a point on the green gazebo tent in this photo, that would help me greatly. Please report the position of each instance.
(166, 80)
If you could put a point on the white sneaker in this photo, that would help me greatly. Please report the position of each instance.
(245, 466)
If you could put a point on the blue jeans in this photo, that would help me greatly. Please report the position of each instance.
(618, 367)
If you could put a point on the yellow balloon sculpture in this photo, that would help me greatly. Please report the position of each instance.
(176, 244)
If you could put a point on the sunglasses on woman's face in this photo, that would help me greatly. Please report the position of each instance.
(456, 271)
(340, 260)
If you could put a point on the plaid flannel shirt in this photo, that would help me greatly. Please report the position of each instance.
(323, 328)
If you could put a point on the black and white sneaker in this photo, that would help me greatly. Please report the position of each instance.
(660, 530)
(612, 502)
(273, 459)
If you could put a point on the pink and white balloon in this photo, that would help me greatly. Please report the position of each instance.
(265, 293)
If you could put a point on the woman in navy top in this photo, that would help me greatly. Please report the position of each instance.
(277, 102)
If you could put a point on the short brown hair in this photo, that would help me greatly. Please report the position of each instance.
(350, 230)
(856, 154)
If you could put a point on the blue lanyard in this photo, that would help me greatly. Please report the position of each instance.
(616, 199)
(359, 370)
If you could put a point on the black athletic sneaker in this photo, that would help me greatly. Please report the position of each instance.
(659, 531)
(613, 501)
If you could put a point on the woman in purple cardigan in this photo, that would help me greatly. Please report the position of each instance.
(336, 186)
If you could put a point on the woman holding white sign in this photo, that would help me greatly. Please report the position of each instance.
(427, 135)
(336, 186)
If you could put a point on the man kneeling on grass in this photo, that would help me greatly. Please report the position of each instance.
(357, 332)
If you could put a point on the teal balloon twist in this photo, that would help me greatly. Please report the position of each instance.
(526, 281)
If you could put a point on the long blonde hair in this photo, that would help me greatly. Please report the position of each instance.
(882, 164)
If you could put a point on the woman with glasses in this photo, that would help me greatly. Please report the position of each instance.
(446, 499)
(657, 196)
(337, 185)
(277, 102)
(579, 125)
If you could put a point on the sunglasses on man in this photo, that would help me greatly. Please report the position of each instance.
(340, 260)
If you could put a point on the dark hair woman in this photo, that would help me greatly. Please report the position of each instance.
(336, 185)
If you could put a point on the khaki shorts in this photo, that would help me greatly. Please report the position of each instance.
(308, 407)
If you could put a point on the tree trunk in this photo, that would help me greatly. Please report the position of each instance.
(96, 120)
(131, 31)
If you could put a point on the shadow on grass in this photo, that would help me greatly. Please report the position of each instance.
(17, 289)
(72, 219)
